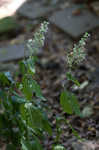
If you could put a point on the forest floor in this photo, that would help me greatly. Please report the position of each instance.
(51, 74)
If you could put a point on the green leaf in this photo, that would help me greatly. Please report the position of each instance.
(8, 24)
(65, 102)
(18, 99)
(31, 86)
(69, 103)
(5, 101)
(31, 65)
(2, 95)
(10, 147)
(71, 78)
(46, 124)
(1, 121)
(36, 144)
(9, 77)
(22, 67)
(23, 112)
(75, 104)
(36, 88)
(35, 118)
(28, 145)
(5, 79)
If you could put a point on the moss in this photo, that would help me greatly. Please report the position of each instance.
(8, 24)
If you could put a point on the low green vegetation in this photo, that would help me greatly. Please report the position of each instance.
(23, 117)
(8, 24)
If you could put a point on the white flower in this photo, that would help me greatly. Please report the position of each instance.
(38, 40)
(78, 54)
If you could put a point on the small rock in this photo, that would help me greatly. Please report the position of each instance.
(4, 67)
(82, 86)
(15, 52)
(12, 52)
(95, 7)
(34, 10)
(58, 147)
(75, 25)
(87, 111)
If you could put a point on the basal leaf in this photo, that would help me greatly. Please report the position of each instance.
(35, 118)
(46, 124)
(69, 103)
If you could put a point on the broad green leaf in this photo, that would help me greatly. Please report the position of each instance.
(28, 145)
(69, 103)
(71, 78)
(27, 88)
(35, 118)
(39, 120)
(31, 86)
(10, 147)
(36, 144)
(6, 79)
(65, 102)
(75, 104)
(46, 124)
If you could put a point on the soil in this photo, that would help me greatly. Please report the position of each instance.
(51, 71)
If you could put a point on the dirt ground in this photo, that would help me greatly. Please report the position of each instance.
(52, 70)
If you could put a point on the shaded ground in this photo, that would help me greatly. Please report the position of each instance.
(51, 75)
